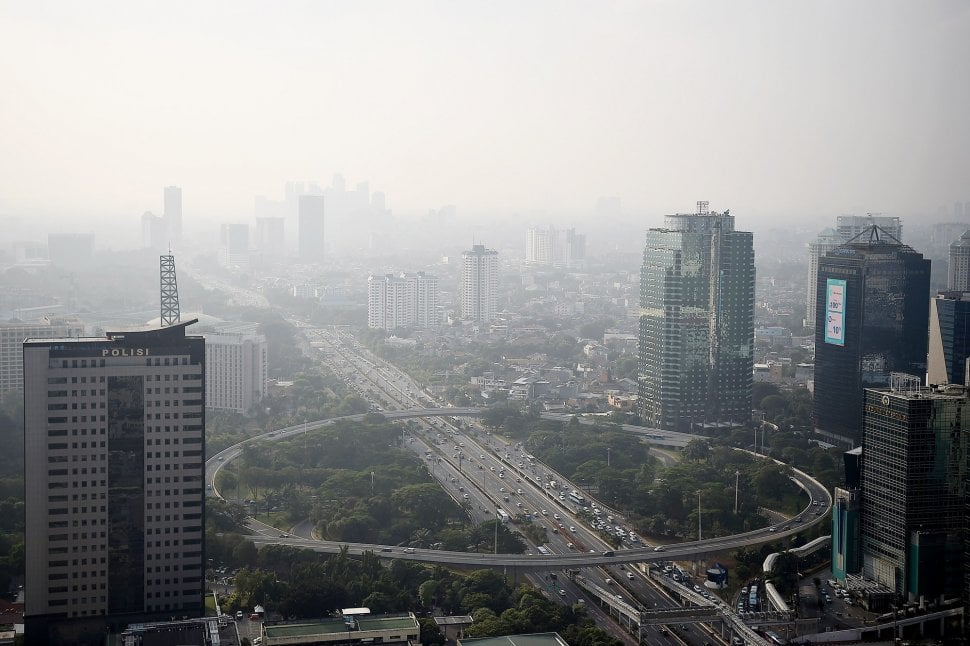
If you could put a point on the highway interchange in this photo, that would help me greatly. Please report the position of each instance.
(487, 474)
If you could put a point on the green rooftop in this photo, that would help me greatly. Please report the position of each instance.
(389, 622)
(322, 627)
(533, 639)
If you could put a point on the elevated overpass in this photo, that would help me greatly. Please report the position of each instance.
(531, 563)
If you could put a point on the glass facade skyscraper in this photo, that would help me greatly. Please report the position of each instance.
(914, 485)
(696, 336)
(872, 316)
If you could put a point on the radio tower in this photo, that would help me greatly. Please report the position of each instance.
(169, 291)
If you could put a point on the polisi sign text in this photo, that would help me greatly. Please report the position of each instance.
(125, 352)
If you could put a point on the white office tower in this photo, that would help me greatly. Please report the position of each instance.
(405, 301)
(479, 284)
(236, 371)
(849, 226)
(12, 337)
(114, 481)
(542, 247)
(958, 273)
(826, 241)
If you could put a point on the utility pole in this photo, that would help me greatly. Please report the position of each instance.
(607, 456)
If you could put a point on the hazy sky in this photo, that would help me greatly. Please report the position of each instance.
(763, 107)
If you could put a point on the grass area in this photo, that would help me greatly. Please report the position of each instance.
(210, 606)
(275, 518)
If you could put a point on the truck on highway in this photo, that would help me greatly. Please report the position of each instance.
(502, 515)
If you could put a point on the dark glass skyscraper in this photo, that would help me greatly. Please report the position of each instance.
(914, 487)
(696, 321)
(871, 320)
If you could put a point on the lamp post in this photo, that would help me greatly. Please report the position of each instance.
(698, 514)
(737, 481)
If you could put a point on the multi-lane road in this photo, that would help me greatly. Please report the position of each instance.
(487, 474)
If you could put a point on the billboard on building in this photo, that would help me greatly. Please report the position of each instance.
(835, 311)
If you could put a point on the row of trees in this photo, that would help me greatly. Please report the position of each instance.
(300, 584)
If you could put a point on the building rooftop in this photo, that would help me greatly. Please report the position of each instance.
(533, 639)
(321, 627)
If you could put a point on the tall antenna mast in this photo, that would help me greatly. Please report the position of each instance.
(169, 291)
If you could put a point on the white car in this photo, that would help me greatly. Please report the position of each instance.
(556, 516)
(572, 529)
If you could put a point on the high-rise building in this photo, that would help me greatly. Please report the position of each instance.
(696, 339)
(574, 250)
(958, 271)
(154, 232)
(850, 226)
(479, 284)
(236, 370)
(914, 495)
(234, 246)
(270, 236)
(826, 241)
(115, 472)
(408, 300)
(173, 213)
(949, 339)
(542, 246)
(12, 337)
(311, 229)
(872, 319)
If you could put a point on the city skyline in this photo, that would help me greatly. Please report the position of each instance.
(581, 102)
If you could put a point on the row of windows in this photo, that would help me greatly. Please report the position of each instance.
(54, 381)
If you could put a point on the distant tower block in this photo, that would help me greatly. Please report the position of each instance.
(169, 291)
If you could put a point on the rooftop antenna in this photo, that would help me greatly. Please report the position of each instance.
(169, 290)
(702, 207)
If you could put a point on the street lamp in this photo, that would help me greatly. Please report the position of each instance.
(737, 480)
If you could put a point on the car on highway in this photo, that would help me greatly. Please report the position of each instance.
(659, 548)
(629, 575)
(556, 516)
(572, 529)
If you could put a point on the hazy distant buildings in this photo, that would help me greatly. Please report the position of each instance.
(70, 250)
(405, 301)
(826, 241)
(270, 236)
(849, 226)
(541, 246)
(871, 309)
(236, 370)
(547, 247)
(479, 284)
(696, 338)
(958, 271)
(234, 246)
(311, 228)
(173, 213)
(12, 337)
(949, 338)
(114, 481)
(154, 232)
(574, 251)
